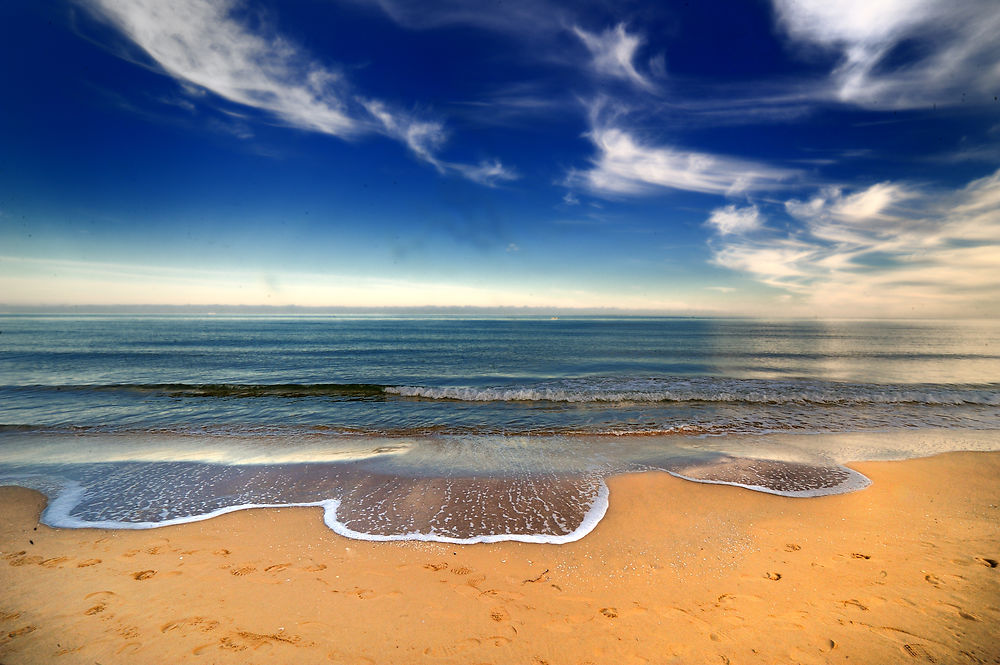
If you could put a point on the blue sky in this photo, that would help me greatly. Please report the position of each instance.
(793, 157)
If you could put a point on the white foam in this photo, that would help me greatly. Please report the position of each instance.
(589, 522)
(708, 390)
(57, 514)
(856, 481)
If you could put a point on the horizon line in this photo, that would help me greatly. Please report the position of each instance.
(427, 310)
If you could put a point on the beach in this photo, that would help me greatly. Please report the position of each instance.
(677, 571)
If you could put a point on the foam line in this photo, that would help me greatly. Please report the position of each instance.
(57, 514)
(857, 482)
(589, 522)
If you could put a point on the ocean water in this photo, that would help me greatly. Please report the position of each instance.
(468, 430)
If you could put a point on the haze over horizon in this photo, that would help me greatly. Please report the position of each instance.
(783, 158)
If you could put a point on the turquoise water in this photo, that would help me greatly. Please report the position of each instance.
(138, 421)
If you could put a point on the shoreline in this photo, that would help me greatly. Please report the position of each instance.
(676, 571)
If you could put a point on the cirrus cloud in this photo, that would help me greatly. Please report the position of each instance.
(902, 53)
(612, 53)
(628, 165)
(885, 250)
(205, 46)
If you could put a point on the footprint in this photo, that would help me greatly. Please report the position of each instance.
(242, 570)
(499, 614)
(96, 609)
(315, 568)
(201, 624)
(22, 631)
(143, 574)
(919, 651)
(53, 562)
(448, 650)
(222, 552)
(792, 547)
(231, 644)
(610, 612)
(773, 576)
(260, 639)
(129, 632)
(100, 593)
(435, 566)
(856, 555)
(277, 567)
(989, 563)
(461, 570)
(88, 563)
(855, 603)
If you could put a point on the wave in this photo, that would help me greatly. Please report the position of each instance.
(65, 496)
(348, 390)
(728, 391)
(551, 505)
(597, 390)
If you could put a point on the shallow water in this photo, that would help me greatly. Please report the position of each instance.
(468, 430)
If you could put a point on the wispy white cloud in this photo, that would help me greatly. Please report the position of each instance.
(626, 165)
(902, 53)
(425, 137)
(731, 219)
(486, 172)
(206, 47)
(885, 250)
(613, 52)
(201, 43)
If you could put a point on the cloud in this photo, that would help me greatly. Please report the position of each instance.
(201, 43)
(422, 137)
(625, 165)
(206, 47)
(885, 250)
(731, 219)
(613, 52)
(902, 53)
(487, 172)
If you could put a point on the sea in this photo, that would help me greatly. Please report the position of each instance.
(466, 429)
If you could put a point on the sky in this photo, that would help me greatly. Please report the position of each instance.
(752, 158)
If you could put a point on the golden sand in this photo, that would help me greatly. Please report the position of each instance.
(902, 572)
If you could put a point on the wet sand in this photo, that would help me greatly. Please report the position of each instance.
(904, 571)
